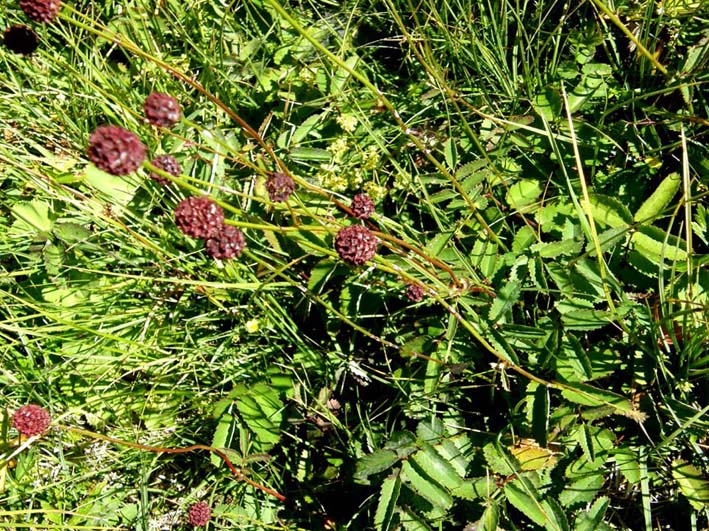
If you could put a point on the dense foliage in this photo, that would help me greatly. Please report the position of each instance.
(515, 338)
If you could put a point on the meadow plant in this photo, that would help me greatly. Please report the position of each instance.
(538, 172)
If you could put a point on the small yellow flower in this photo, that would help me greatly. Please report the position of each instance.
(338, 149)
(252, 326)
(347, 122)
(376, 192)
(370, 158)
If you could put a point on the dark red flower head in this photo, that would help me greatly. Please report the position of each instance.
(199, 514)
(362, 206)
(414, 292)
(356, 244)
(279, 187)
(228, 243)
(40, 10)
(31, 420)
(168, 164)
(20, 39)
(162, 109)
(116, 150)
(199, 217)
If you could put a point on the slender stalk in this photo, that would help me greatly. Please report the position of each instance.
(164, 450)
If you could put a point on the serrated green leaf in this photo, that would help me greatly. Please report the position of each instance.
(433, 465)
(583, 435)
(554, 515)
(118, 190)
(588, 395)
(609, 211)
(388, 496)
(262, 410)
(490, 518)
(582, 319)
(497, 461)
(569, 247)
(466, 490)
(451, 453)
(524, 497)
(426, 487)
(506, 298)
(485, 256)
(581, 491)
(693, 484)
(484, 487)
(374, 463)
(430, 430)
(71, 233)
(628, 464)
(222, 438)
(524, 237)
(578, 357)
(53, 258)
(608, 239)
(411, 521)
(592, 519)
(659, 199)
(32, 217)
(523, 194)
(656, 246)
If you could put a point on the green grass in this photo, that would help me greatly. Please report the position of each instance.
(538, 167)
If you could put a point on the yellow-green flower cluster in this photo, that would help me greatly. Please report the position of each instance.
(376, 192)
(333, 177)
(370, 158)
(347, 122)
(338, 149)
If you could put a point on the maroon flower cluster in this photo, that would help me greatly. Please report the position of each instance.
(362, 206)
(199, 514)
(200, 217)
(31, 420)
(356, 244)
(162, 109)
(40, 10)
(20, 39)
(414, 292)
(119, 152)
(168, 164)
(228, 243)
(279, 187)
(116, 150)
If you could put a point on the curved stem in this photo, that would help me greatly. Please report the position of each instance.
(163, 450)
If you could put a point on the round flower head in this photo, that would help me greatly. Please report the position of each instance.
(20, 39)
(414, 292)
(228, 243)
(167, 163)
(199, 514)
(162, 109)
(116, 150)
(40, 10)
(199, 217)
(356, 244)
(31, 420)
(279, 187)
(362, 206)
